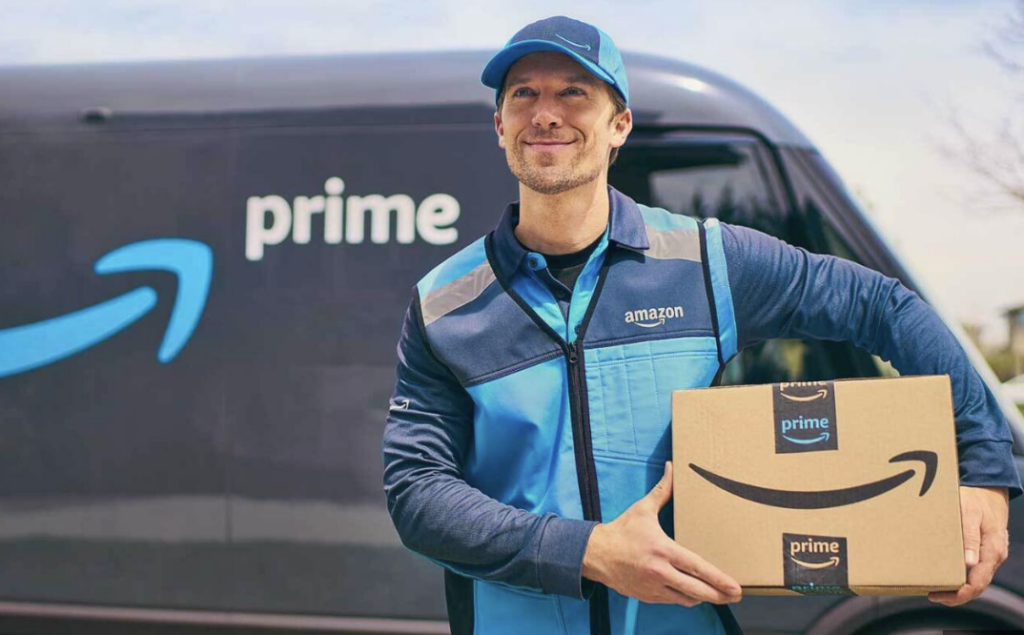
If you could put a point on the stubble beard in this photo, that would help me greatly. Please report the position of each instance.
(550, 180)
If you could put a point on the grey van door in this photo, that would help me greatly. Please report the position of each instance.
(113, 466)
(244, 475)
(310, 353)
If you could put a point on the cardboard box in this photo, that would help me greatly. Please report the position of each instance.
(845, 487)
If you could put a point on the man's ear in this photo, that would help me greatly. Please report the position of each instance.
(622, 125)
(499, 129)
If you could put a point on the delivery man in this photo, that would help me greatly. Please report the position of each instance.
(528, 435)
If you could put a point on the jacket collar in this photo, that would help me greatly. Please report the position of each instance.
(626, 228)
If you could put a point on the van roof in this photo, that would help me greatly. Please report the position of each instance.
(663, 91)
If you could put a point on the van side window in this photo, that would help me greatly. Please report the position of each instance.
(701, 175)
(736, 179)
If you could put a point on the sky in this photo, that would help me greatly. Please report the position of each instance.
(870, 82)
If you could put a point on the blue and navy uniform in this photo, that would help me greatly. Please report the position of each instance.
(516, 426)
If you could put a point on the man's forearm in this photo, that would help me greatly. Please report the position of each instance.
(781, 291)
(456, 525)
(437, 513)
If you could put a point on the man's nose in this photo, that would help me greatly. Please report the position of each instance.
(547, 114)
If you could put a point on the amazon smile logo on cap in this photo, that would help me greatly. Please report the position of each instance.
(585, 47)
(805, 417)
(815, 565)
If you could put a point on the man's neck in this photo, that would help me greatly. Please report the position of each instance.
(563, 223)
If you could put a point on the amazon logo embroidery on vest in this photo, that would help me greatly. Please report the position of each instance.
(649, 318)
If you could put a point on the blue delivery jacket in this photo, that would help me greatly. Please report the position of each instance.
(518, 422)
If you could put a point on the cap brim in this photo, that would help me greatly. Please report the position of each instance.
(494, 72)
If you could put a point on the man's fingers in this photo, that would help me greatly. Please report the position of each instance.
(693, 565)
(951, 598)
(979, 577)
(672, 596)
(662, 492)
(695, 588)
(972, 535)
(964, 594)
(993, 543)
(986, 542)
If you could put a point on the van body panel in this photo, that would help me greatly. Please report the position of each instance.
(663, 91)
(243, 477)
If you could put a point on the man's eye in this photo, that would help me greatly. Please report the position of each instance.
(519, 92)
(574, 90)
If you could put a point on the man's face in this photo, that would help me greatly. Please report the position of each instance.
(556, 123)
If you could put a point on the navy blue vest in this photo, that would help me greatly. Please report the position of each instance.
(572, 416)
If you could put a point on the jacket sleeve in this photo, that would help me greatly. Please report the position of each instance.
(428, 434)
(784, 291)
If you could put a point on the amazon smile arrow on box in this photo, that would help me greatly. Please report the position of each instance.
(845, 487)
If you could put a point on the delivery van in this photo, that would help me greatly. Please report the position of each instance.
(204, 267)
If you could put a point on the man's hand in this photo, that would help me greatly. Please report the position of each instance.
(985, 512)
(635, 557)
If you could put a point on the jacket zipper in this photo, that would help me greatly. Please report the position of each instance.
(586, 473)
(581, 433)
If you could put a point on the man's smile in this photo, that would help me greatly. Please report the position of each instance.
(548, 146)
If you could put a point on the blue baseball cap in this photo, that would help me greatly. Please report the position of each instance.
(585, 43)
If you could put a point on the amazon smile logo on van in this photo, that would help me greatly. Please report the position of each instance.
(650, 318)
(815, 565)
(45, 342)
(805, 417)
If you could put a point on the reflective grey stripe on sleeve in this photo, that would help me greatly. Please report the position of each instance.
(673, 244)
(457, 293)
